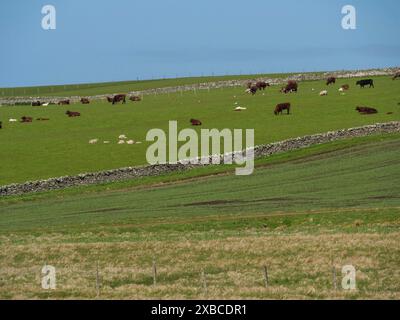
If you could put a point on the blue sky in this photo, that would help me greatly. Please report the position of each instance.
(115, 40)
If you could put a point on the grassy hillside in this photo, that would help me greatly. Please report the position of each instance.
(91, 89)
(60, 146)
(319, 207)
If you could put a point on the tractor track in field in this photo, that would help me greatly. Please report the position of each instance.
(254, 216)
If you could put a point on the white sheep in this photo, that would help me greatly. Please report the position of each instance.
(13, 120)
(323, 93)
(122, 137)
(130, 142)
(121, 142)
(106, 142)
(240, 109)
(93, 141)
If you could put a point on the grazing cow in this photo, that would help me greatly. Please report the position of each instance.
(42, 119)
(64, 102)
(36, 104)
(330, 80)
(252, 90)
(26, 119)
(397, 75)
(195, 122)
(85, 101)
(363, 83)
(118, 98)
(72, 114)
(109, 99)
(135, 98)
(262, 85)
(281, 107)
(291, 86)
(366, 110)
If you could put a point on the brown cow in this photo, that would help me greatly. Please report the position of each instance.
(26, 119)
(262, 85)
(118, 98)
(330, 80)
(292, 86)
(85, 101)
(109, 99)
(72, 114)
(345, 87)
(281, 107)
(64, 102)
(135, 98)
(366, 110)
(195, 122)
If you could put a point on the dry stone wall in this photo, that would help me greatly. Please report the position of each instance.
(212, 85)
(156, 170)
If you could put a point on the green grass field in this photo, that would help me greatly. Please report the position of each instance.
(300, 213)
(60, 146)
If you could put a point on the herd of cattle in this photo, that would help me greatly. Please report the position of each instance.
(114, 99)
(252, 88)
(72, 114)
(293, 87)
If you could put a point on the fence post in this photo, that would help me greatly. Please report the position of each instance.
(334, 278)
(97, 280)
(265, 269)
(154, 272)
(204, 282)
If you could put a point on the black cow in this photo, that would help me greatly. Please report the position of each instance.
(364, 83)
(118, 98)
(330, 80)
